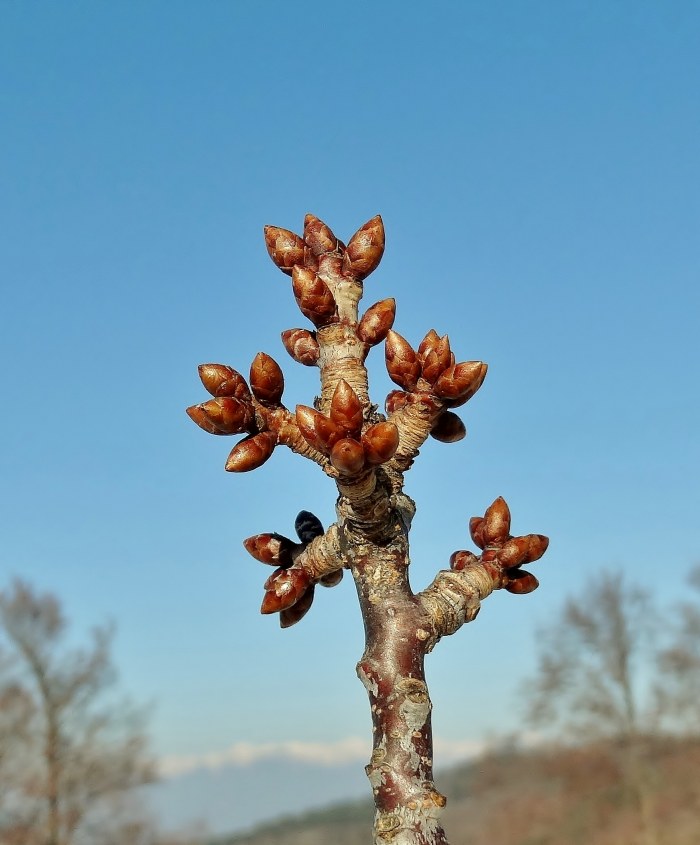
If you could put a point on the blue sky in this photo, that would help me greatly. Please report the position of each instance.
(536, 166)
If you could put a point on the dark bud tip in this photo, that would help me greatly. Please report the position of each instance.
(308, 526)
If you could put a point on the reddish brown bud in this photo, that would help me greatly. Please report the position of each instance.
(436, 360)
(347, 456)
(318, 237)
(448, 428)
(430, 341)
(271, 548)
(460, 382)
(476, 529)
(251, 452)
(220, 380)
(537, 546)
(286, 249)
(197, 415)
(521, 582)
(313, 296)
(513, 552)
(496, 523)
(284, 588)
(332, 579)
(376, 322)
(266, 379)
(302, 346)
(298, 610)
(396, 400)
(401, 361)
(462, 559)
(380, 443)
(306, 420)
(230, 416)
(328, 431)
(346, 409)
(365, 249)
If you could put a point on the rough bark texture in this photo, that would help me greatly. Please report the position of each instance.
(367, 454)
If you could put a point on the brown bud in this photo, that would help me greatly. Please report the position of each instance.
(396, 400)
(436, 360)
(318, 237)
(513, 552)
(346, 409)
(476, 529)
(448, 428)
(380, 443)
(284, 588)
(430, 341)
(298, 610)
(306, 420)
(462, 559)
(347, 456)
(401, 361)
(302, 346)
(220, 380)
(365, 249)
(251, 452)
(537, 546)
(271, 548)
(313, 296)
(521, 582)
(286, 249)
(266, 379)
(376, 322)
(197, 415)
(460, 382)
(332, 579)
(328, 431)
(496, 523)
(230, 416)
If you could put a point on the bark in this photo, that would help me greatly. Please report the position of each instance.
(370, 537)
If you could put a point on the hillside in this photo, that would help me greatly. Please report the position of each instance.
(561, 795)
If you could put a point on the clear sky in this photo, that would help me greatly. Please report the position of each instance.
(536, 165)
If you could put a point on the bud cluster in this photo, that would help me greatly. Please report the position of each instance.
(232, 409)
(502, 554)
(289, 591)
(340, 434)
(303, 259)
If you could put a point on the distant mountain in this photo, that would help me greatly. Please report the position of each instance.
(233, 797)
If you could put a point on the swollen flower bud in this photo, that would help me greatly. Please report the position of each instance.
(286, 249)
(228, 415)
(496, 529)
(251, 452)
(448, 428)
(302, 346)
(401, 361)
(306, 420)
(298, 610)
(376, 322)
(318, 237)
(332, 579)
(476, 529)
(220, 380)
(521, 582)
(197, 415)
(313, 296)
(308, 526)
(266, 379)
(436, 360)
(365, 249)
(284, 588)
(380, 443)
(271, 548)
(460, 382)
(513, 552)
(537, 546)
(348, 456)
(346, 409)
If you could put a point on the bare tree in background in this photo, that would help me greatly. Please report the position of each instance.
(679, 691)
(595, 675)
(367, 453)
(69, 757)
